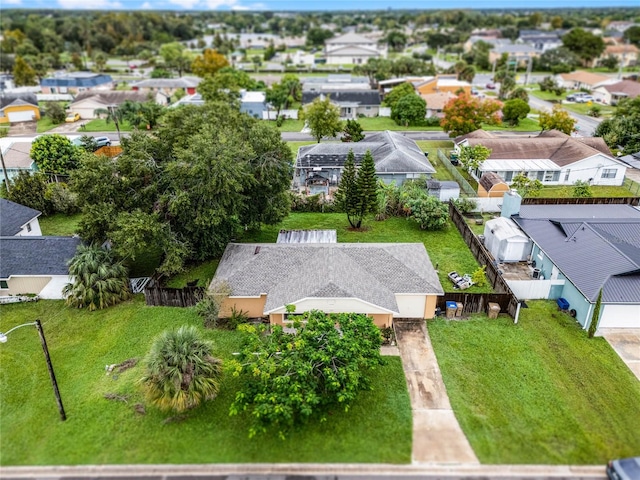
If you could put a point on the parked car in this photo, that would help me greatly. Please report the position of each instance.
(72, 117)
(490, 86)
(624, 469)
(576, 97)
(102, 141)
(584, 99)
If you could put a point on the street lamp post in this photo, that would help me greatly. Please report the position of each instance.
(43, 341)
(114, 115)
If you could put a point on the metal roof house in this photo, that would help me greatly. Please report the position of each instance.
(397, 158)
(382, 280)
(580, 250)
(352, 103)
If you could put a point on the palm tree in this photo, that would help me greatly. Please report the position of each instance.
(181, 371)
(99, 281)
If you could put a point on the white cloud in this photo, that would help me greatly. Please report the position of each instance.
(188, 4)
(12, 2)
(89, 4)
(213, 4)
(146, 6)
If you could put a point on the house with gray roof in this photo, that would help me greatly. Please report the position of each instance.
(382, 280)
(17, 156)
(18, 220)
(352, 48)
(86, 103)
(75, 82)
(35, 265)
(352, 103)
(552, 157)
(580, 250)
(397, 158)
(162, 89)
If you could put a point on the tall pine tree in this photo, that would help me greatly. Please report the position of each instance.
(347, 194)
(367, 187)
(357, 190)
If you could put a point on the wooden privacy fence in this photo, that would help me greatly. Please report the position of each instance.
(505, 298)
(173, 297)
(477, 302)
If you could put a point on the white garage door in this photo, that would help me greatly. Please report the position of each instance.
(620, 316)
(25, 116)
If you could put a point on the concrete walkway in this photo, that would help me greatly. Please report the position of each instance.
(626, 343)
(437, 436)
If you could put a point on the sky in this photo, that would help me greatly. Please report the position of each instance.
(297, 5)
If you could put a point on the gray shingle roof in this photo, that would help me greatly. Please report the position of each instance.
(392, 153)
(360, 97)
(36, 255)
(27, 98)
(287, 273)
(13, 216)
(595, 249)
(111, 98)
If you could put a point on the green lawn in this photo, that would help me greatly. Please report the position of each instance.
(446, 248)
(100, 431)
(548, 96)
(202, 272)
(525, 125)
(369, 124)
(583, 108)
(45, 124)
(432, 147)
(59, 224)
(295, 146)
(539, 392)
(566, 191)
(101, 125)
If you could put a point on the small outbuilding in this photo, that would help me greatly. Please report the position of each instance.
(505, 241)
(492, 185)
(443, 190)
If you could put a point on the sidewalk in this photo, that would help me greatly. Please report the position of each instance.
(437, 436)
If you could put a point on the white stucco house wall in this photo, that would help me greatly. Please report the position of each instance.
(352, 48)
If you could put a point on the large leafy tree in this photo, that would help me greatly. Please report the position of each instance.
(352, 131)
(557, 60)
(586, 45)
(515, 110)
(29, 189)
(181, 371)
(467, 113)
(526, 186)
(143, 115)
(397, 93)
(293, 378)
(23, 73)
(54, 154)
(557, 119)
(99, 279)
(176, 56)
(621, 132)
(209, 63)
(472, 157)
(409, 110)
(323, 118)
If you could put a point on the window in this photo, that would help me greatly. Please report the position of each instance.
(508, 176)
(566, 175)
(28, 227)
(4, 284)
(548, 176)
(540, 175)
(556, 176)
(609, 173)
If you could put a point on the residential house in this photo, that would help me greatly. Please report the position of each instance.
(397, 158)
(541, 40)
(627, 55)
(253, 103)
(195, 99)
(382, 280)
(436, 102)
(612, 93)
(163, 89)
(441, 84)
(17, 156)
(582, 80)
(352, 103)
(36, 265)
(18, 107)
(620, 25)
(520, 53)
(18, 220)
(582, 250)
(334, 82)
(76, 82)
(633, 160)
(552, 157)
(86, 103)
(475, 38)
(352, 48)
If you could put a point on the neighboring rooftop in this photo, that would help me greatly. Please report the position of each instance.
(36, 255)
(111, 98)
(350, 38)
(287, 273)
(17, 154)
(627, 88)
(182, 82)
(26, 98)
(392, 152)
(77, 79)
(355, 97)
(307, 236)
(13, 217)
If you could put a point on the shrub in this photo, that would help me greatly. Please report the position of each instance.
(29, 189)
(478, 276)
(465, 205)
(595, 111)
(62, 199)
(312, 204)
(429, 212)
(209, 306)
(181, 371)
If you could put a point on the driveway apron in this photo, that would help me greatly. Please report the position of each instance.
(437, 436)
(626, 343)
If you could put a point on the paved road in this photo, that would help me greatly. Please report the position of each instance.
(305, 472)
(586, 125)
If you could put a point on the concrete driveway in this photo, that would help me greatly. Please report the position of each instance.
(626, 343)
(437, 436)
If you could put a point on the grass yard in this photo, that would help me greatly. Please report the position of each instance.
(369, 124)
(202, 272)
(584, 108)
(295, 146)
(101, 431)
(525, 125)
(59, 224)
(432, 146)
(548, 96)
(539, 392)
(101, 125)
(566, 191)
(446, 248)
(45, 124)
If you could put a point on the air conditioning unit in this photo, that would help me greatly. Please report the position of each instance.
(536, 273)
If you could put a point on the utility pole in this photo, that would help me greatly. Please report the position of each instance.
(526, 76)
(56, 392)
(4, 170)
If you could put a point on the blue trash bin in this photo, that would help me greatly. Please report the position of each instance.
(563, 304)
(451, 309)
